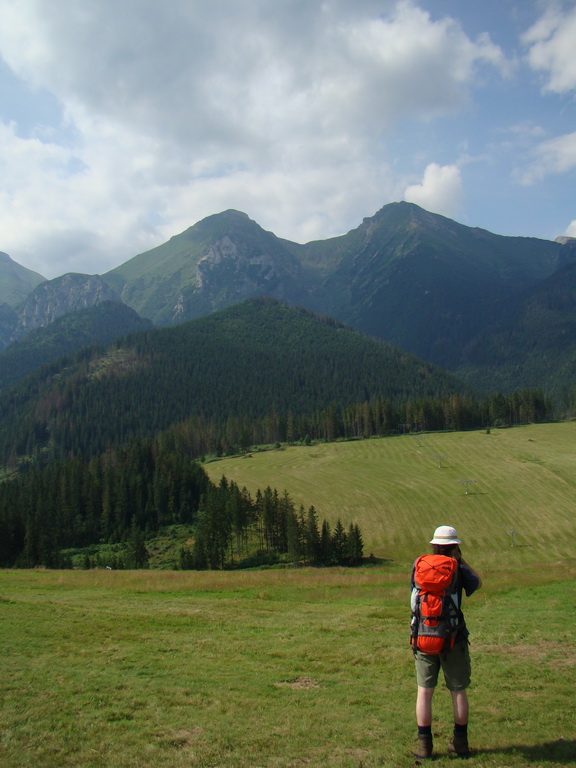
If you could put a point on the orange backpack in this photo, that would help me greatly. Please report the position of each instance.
(436, 615)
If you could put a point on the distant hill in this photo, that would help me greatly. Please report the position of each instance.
(54, 298)
(260, 359)
(99, 324)
(532, 342)
(16, 281)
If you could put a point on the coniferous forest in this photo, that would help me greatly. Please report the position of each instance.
(126, 495)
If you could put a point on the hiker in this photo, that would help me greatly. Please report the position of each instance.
(437, 583)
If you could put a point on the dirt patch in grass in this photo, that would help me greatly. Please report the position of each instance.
(181, 738)
(551, 652)
(305, 683)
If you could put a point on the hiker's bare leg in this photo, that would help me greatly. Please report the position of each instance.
(460, 707)
(424, 706)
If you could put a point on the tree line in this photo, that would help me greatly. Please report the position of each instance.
(378, 417)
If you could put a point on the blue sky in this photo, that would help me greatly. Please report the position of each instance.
(123, 123)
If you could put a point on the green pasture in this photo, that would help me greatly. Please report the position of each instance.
(295, 668)
(398, 489)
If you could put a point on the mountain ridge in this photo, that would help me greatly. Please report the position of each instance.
(415, 279)
(16, 281)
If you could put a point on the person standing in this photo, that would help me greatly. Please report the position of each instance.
(454, 659)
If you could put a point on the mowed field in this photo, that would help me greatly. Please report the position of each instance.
(398, 489)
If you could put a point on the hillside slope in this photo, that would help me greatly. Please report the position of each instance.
(16, 281)
(100, 324)
(532, 343)
(398, 489)
(251, 360)
(426, 283)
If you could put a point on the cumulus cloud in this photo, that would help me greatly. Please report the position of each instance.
(550, 44)
(439, 191)
(170, 114)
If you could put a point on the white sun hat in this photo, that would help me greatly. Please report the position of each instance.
(445, 534)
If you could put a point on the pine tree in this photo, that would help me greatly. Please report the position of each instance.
(312, 537)
(354, 545)
(339, 543)
(326, 552)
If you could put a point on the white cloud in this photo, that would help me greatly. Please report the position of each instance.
(571, 229)
(282, 111)
(553, 156)
(551, 47)
(440, 190)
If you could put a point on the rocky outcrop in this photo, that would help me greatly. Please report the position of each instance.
(55, 298)
(8, 324)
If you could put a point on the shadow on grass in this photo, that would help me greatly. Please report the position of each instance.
(560, 751)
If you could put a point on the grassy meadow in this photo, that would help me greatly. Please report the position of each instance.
(311, 668)
(271, 669)
(398, 489)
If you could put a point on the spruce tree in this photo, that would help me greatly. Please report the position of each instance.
(339, 543)
(312, 537)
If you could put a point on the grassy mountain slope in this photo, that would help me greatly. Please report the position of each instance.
(221, 260)
(248, 360)
(396, 491)
(68, 333)
(424, 282)
(16, 281)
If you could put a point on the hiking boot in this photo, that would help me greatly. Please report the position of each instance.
(458, 747)
(424, 749)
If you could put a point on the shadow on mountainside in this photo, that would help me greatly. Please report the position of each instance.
(560, 751)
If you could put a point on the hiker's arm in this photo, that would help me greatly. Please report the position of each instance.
(472, 580)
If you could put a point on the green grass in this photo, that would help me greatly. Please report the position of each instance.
(275, 669)
(395, 490)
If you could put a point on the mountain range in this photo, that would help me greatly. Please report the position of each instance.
(494, 310)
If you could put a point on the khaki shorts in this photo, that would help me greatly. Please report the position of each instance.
(455, 665)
